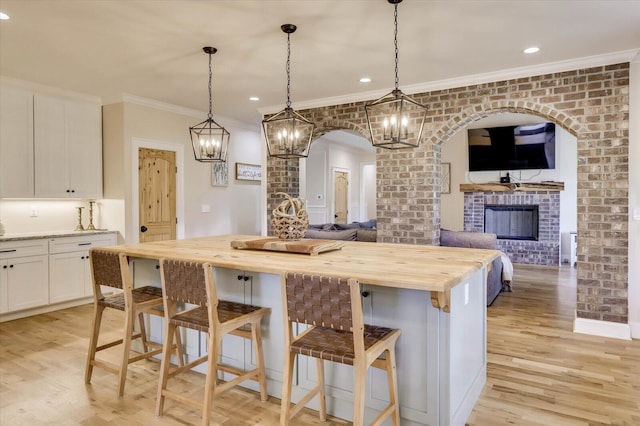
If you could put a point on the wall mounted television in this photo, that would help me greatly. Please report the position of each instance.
(527, 146)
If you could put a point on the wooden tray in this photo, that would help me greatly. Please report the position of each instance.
(309, 246)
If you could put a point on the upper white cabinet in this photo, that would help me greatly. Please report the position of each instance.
(16, 143)
(68, 148)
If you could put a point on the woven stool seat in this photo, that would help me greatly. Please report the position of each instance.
(140, 295)
(336, 345)
(198, 318)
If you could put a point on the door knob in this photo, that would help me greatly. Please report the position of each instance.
(143, 228)
(335, 215)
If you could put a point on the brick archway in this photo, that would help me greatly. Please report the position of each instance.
(324, 127)
(467, 116)
(592, 104)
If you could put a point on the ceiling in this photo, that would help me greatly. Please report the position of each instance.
(153, 48)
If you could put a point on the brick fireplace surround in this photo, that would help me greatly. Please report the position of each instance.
(544, 251)
(592, 104)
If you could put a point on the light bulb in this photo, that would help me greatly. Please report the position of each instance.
(393, 120)
(385, 123)
(405, 121)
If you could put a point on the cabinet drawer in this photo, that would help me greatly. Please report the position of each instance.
(11, 249)
(81, 243)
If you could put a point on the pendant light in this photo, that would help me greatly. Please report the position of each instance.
(395, 120)
(288, 134)
(210, 141)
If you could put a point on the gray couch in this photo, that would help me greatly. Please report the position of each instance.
(356, 231)
(481, 241)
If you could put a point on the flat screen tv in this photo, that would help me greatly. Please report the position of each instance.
(528, 146)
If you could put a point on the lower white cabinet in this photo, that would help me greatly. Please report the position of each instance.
(23, 275)
(36, 274)
(69, 268)
(259, 290)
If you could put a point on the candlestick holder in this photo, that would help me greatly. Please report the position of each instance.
(79, 227)
(91, 227)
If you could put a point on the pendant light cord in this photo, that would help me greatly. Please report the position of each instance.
(395, 38)
(288, 70)
(210, 97)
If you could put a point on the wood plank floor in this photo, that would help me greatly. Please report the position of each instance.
(539, 372)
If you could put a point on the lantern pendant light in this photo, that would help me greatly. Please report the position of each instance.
(288, 134)
(395, 120)
(210, 141)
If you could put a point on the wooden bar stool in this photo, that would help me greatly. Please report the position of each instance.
(333, 309)
(112, 270)
(193, 283)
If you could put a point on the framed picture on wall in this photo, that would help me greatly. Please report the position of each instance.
(446, 178)
(219, 174)
(246, 171)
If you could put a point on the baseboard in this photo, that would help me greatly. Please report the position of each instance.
(635, 330)
(614, 330)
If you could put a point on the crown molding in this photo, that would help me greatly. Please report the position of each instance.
(175, 109)
(632, 55)
(49, 90)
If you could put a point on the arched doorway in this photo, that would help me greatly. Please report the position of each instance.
(339, 160)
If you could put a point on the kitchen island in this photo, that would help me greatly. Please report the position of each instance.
(435, 295)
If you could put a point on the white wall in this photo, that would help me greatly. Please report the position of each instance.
(233, 209)
(338, 150)
(455, 152)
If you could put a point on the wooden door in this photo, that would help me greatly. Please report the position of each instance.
(340, 196)
(157, 194)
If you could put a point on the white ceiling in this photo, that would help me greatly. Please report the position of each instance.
(152, 48)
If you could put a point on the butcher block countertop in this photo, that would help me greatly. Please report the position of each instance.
(417, 267)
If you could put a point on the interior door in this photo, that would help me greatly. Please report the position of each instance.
(157, 194)
(340, 196)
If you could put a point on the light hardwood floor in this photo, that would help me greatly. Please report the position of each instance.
(539, 373)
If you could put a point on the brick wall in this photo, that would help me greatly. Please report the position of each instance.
(592, 104)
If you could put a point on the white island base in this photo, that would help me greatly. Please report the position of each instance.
(441, 357)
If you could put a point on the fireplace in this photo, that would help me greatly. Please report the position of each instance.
(512, 221)
(537, 242)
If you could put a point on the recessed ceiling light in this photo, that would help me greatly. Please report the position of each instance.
(365, 80)
(254, 98)
(4, 17)
(532, 49)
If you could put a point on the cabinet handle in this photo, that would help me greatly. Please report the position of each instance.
(243, 278)
(84, 244)
(7, 251)
(73, 190)
(4, 267)
(365, 294)
(10, 266)
(68, 190)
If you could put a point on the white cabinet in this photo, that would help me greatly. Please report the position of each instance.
(69, 268)
(68, 148)
(16, 143)
(23, 275)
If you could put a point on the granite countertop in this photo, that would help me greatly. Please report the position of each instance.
(50, 234)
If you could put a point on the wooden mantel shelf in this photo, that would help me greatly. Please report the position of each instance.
(512, 187)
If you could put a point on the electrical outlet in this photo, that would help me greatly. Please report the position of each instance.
(33, 212)
(205, 208)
